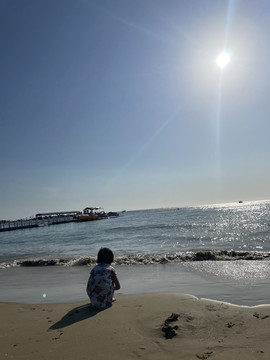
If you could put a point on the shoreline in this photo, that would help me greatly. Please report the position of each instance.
(217, 281)
(132, 328)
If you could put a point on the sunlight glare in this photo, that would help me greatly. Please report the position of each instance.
(223, 59)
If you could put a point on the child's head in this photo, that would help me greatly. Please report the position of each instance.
(105, 256)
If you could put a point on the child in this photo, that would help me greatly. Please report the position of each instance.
(103, 280)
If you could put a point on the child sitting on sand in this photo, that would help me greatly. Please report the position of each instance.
(103, 280)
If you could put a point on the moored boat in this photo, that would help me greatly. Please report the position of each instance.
(85, 217)
(95, 213)
(89, 214)
(112, 214)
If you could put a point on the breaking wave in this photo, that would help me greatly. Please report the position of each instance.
(189, 256)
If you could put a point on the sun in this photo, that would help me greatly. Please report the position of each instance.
(223, 59)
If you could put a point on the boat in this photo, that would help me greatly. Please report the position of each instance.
(89, 214)
(112, 214)
(95, 213)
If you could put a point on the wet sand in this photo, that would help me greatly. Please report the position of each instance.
(146, 326)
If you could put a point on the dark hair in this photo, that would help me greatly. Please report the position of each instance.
(105, 256)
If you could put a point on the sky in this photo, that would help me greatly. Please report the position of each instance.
(121, 104)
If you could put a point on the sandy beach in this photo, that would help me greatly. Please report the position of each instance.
(145, 326)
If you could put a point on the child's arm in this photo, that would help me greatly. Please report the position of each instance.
(115, 281)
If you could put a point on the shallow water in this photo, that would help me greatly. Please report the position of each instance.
(67, 284)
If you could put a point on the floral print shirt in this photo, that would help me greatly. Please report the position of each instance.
(100, 286)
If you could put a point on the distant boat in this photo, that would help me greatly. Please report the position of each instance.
(240, 201)
(89, 214)
(95, 213)
(112, 214)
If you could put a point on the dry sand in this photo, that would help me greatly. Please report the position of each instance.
(132, 328)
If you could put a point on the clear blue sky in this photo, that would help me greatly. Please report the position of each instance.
(120, 104)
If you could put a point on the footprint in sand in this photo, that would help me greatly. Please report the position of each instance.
(205, 355)
(256, 315)
(58, 337)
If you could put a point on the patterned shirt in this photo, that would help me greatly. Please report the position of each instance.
(100, 286)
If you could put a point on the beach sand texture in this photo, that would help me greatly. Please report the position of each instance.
(133, 328)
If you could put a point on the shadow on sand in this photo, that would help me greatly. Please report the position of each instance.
(75, 315)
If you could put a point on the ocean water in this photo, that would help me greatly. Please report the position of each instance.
(218, 251)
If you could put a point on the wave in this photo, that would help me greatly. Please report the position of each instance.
(189, 256)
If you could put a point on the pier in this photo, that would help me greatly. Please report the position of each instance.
(54, 218)
(43, 219)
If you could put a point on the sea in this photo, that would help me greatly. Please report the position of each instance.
(220, 252)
